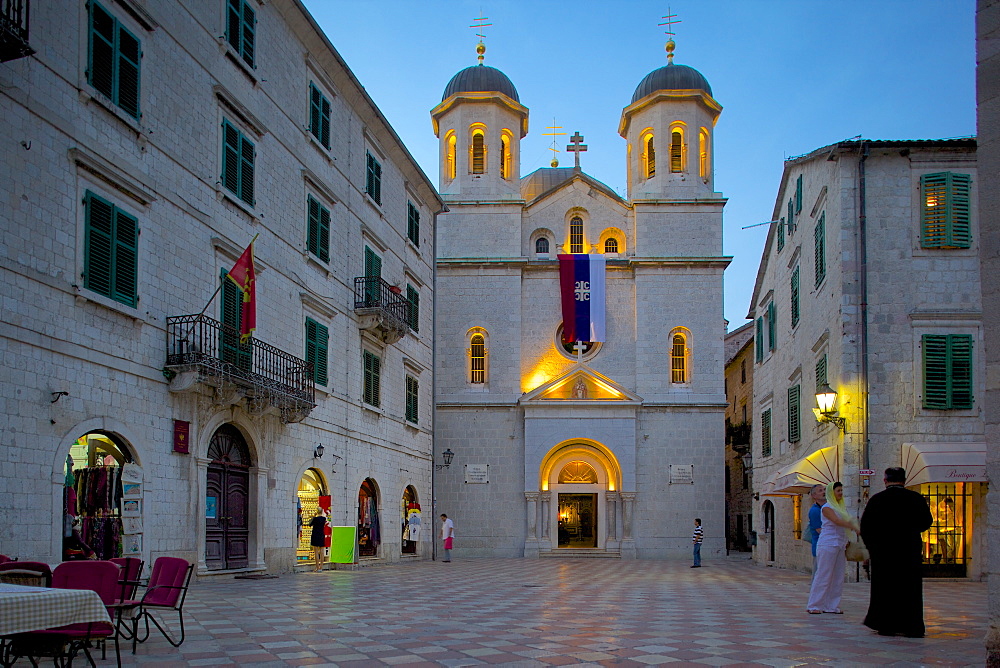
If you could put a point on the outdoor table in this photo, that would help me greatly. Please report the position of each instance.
(25, 609)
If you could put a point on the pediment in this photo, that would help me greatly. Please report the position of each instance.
(581, 384)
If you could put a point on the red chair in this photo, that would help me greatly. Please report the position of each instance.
(4, 559)
(167, 589)
(32, 573)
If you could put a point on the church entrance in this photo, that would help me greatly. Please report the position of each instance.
(577, 520)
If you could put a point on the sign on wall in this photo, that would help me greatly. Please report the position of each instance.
(681, 474)
(477, 473)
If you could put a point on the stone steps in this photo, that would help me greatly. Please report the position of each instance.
(578, 553)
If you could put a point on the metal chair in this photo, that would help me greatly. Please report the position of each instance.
(167, 589)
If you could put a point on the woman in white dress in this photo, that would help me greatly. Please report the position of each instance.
(838, 527)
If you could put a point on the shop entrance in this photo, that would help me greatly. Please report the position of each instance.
(369, 524)
(946, 543)
(411, 521)
(311, 496)
(769, 529)
(577, 520)
(227, 501)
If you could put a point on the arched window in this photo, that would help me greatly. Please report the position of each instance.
(576, 235)
(611, 246)
(478, 149)
(703, 165)
(648, 156)
(504, 156)
(678, 360)
(477, 357)
(452, 155)
(677, 150)
(542, 246)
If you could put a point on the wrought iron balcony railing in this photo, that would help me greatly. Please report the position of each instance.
(268, 376)
(381, 308)
(14, 16)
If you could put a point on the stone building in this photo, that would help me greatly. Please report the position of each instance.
(739, 421)
(868, 297)
(147, 145)
(612, 448)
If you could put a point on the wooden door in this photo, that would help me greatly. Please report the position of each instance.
(227, 516)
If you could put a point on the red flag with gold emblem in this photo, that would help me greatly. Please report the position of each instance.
(242, 274)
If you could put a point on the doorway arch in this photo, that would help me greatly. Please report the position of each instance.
(369, 521)
(769, 529)
(312, 495)
(411, 524)
(579, 481)
(227, 498)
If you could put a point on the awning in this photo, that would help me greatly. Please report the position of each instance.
(944, 462)
(819, 468)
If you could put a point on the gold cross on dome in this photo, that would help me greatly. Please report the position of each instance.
(576, 147)
(671, 19)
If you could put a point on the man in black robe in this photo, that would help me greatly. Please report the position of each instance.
(891, 526)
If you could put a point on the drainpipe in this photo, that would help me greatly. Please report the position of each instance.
(863, 232)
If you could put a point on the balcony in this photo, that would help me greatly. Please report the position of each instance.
(738, 436)
(204, 352)
(380, 308)
(14, 29)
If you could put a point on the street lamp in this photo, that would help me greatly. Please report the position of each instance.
(826, 407)
(318, 451)
(448, 456)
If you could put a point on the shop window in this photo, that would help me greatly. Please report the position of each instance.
(946, 543)
(312, 496)
(369, 536)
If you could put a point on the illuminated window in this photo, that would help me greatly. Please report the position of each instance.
(504, 156)
(452, 142)
(678, 359)
(946, 219)
(611, 246)
(578, 472)
(477, 358)
(576, 235)
(478, 149)
(703, 165)
(542, 246)
(648, 156)
(676, 150)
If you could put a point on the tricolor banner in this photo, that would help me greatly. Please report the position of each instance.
(581, 284)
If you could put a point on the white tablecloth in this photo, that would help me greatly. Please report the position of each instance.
(36, 608)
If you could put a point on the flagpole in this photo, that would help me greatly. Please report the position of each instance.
(211, 299)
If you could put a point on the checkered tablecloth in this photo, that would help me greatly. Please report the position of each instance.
(36, 608)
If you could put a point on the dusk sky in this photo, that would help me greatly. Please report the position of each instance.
(791, 76)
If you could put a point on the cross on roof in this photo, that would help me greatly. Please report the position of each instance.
(671, 19)
(576, 147)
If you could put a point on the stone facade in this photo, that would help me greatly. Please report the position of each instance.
(869, 289)
(77, 362)
(739, 421)
(650, 446)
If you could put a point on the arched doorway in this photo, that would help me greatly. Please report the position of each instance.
(769, 528)
(311, 495)
(227, 500)
(581, 507)
(369, 523)
(102, 499)
(411, 521)
(577, 523)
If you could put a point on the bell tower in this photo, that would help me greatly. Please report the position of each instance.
(479, 125)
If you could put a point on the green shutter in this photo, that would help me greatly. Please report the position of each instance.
(317, 347)
(413, 308)
(947, 362)
(129, 55)
(781, 234)
(373, 183)
(795, 297)
(318, 229)
(230, 157)
(373, 272)
(319, 115)
(960, 353)
(234, 19)
(821, 378)
(249, 34)
(765, 433)
(413, 224)
(412, 394)
(324, 234)
(798, 194)
(113, 60)
(759, 343)
(98, 264)
(246, 170)
(232, 351)
(126, 257)
(819, 249)
(946, 215)
(372, 370)
(772, 326)
(794, 413)
(791, 218)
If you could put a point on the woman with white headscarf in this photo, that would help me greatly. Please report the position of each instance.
(838, 528)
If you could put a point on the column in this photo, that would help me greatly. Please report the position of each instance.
(202, 464)
(628, 504)
(532, 498)
(612, 515)
(545, 498)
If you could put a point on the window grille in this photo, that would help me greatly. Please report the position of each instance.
(678, 359)
(576, 235)
(478, 358)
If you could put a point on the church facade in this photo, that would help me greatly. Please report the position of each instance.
(605, 448)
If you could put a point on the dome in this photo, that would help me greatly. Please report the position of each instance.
(671, 77)
(481, 79)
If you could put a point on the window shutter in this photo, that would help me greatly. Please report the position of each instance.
(821, 378)
(412, 396)
(791, 218)
(765, 433)
(819, 249)
(317, 340)
(232, 351)
(234, 19)
(794, 412)
(961, 233)
(795, 297)
(246, 170)
(798, 194)
(413, 310)
(249, 33)
(126, 257)
(759, 343)
(315, 110)
(129, 56)
(376, 379)
(935, 359)
(324, 234)
(946, 215)
(324, 137)
(372, 370)
(230, 158)
(961, 370)
(98, 261)
(772, 326)
(413, 224)
(312, 226)
(101, 68)
(781, 234)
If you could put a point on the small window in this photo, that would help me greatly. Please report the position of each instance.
(373, 181)
(114, 60)
(946, 214)
(765, 433)
(821, 378)
(649, 156)
(611, 246)
(319, 115)
(504, 156)
(819, 248)
(743, 372)
(110, 261)
(412, 308)
(795, 297)
(576, 235)
(542, 246)
(318, 229)
(477, 356)
(676, 150)
(317, 340)
(794, 414)
(372, 371)
(451, 157)
(241, 29)
(238, 159)
(678, 359)
(412, 399)
(947, 361)
(703, 164)
(413, 224)
(478, 152)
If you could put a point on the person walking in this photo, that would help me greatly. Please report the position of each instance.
(891, 526)
(447, 536)
(828, 580)
(697, 537)
(818, 495)
(318, 538)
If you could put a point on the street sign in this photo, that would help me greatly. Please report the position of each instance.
(866, 472)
